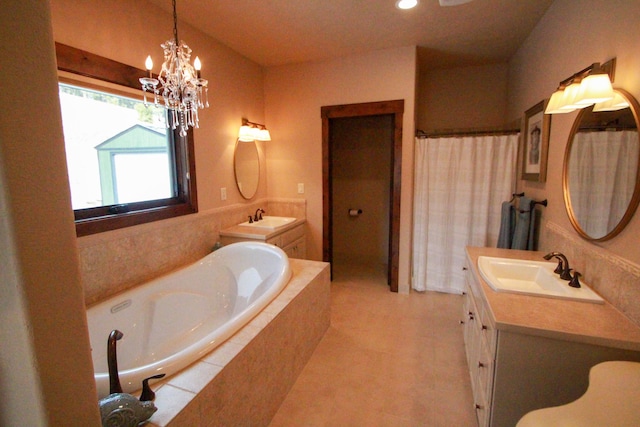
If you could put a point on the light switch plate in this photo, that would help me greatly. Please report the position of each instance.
(300, 188)
(223, 193)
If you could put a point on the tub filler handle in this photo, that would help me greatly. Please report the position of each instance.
(147, 393)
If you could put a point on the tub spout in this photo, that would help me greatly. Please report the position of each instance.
(112, 362)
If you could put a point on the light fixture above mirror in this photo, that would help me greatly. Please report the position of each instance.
(251, 131)
(587, 87)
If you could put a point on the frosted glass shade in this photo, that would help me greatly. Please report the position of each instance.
(569, 97)
(617, 103)
(593, 89)
(263, 135)
(245, 134)
(555, 103)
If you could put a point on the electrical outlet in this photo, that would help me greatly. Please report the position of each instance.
(223, 193)
(300, 188)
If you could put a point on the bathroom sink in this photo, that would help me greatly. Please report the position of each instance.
(270, 222)
(531, 278)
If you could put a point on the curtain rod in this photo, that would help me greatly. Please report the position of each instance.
(465, 132)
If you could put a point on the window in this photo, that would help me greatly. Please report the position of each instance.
(125, 166)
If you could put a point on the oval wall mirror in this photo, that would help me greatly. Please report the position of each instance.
(246, 166)
(601, 178)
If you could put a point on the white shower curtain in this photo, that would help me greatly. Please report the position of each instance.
(460, 183)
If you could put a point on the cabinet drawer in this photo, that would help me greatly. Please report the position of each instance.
(291, 236)
(485, 371)
(296, 249)
(482, 413)
(276, 241)
(487, 327)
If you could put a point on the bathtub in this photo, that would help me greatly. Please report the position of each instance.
(174, 320)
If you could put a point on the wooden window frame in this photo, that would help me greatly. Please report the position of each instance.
(105, 218)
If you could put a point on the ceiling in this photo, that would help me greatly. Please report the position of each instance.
(277, 32)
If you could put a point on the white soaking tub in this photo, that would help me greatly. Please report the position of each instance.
(173, 321)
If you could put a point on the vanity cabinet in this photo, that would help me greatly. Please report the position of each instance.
(291, 239)
(526, 352)
(292, 242)
(480, 345)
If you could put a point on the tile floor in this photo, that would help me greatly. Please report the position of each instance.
(387, 360)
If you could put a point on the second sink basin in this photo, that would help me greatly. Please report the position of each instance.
(270, 222)
(531, 278)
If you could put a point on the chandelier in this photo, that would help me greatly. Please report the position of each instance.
(179, 84)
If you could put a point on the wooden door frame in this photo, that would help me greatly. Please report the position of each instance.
(395, 108)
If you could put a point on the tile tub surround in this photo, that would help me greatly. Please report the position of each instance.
(117, 260)
(245, 380)
(613, 277)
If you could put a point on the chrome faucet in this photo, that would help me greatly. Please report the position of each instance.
(563, 265)
(258, 215)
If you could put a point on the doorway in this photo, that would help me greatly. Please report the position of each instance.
(362, 232)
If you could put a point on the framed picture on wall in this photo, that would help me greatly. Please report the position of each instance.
(535, 143)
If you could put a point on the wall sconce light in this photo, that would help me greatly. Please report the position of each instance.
(586, 87)
(250, 131)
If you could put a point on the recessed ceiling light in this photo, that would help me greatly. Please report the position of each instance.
(406, 4)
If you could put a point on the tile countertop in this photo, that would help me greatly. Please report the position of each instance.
(596, 324)
(246, 232)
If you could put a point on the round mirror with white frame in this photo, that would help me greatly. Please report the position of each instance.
(601, 174)
(246, 167)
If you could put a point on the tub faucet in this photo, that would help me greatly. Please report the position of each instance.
(563, 266)
(258, 215)
(112, 362)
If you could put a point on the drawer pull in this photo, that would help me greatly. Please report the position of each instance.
(484, 327)
(479, 406)
(462, 322)
(481, 365)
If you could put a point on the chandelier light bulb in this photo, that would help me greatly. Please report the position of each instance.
(148, 63)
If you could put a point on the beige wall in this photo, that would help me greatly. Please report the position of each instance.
(566, 41)
(128, 31)
(462, 97)
(294, 96)
(46, 377)
(43, 283)
(569, 38)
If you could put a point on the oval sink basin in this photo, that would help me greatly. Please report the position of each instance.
(534, 278)
(270, 222)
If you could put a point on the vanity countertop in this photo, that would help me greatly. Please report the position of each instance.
(596, 324)
(244, 232)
